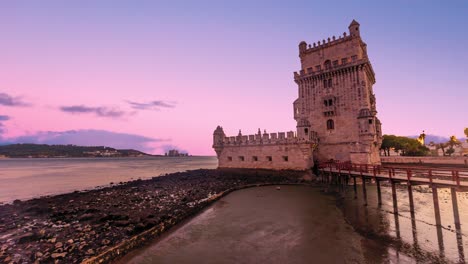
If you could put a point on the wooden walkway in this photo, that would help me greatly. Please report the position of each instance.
(441, 177)
(454, 178)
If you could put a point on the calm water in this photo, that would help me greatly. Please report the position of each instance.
(28, 178)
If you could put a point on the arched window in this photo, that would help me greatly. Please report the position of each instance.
(330, 124)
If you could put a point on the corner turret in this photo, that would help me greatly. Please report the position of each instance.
(354, 29)
(302, 47)
(218, 139)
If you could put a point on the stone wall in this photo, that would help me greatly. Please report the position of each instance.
(293, 156)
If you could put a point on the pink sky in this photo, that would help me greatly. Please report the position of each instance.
(234, 70)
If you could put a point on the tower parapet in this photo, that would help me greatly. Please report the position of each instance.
(335, 110)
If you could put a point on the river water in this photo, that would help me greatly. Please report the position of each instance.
(29, 178)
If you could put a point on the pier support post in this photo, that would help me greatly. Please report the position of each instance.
(364, 190)
(440, 237)
(379, 193)
(355, 187)
(456, 217)
(394, 197)
(411, 201)
(395, 209)
(413, 217)
(435, 198)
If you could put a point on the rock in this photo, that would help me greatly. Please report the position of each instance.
(52, 240)
(42, 233)
(86, 217)
(121, 223)
(70, 241)
(105, 241)
(39, 254)
(58, 245)
(28, 237)
(59, 255)
(90, 251)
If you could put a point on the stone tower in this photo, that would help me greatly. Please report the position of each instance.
(336, 98)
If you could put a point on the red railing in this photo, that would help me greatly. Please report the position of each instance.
(410, 173)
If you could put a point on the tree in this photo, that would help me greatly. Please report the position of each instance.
(466, 133)
(453, 141)
(403, 145)
(441, 146)
(450, 151)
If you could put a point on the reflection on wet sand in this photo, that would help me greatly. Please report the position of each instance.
(262, 225)
(254, 225)
(410, 215)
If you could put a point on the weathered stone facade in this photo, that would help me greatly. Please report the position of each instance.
(336, 97)
(280, 151)
(336, 111)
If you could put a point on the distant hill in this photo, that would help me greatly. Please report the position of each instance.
(54, 151)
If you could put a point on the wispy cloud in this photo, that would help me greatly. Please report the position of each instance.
(98, 111)
(2, 119)
(153, 105)
(8, 100)
(90, 137)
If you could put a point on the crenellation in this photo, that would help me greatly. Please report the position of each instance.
(335, 110)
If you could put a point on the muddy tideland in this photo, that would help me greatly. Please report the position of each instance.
(102, 224)
(275, 224)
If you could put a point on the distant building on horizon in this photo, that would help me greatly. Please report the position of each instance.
(335, 112)
(175, 153)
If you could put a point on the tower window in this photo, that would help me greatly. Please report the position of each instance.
(344, 61)
(306, 131)
(269, 158)
(285, 158)
(318, 67)
(241, 158)
(370, 121)
(229, 158)
(354, 57)
(330, 124)
(330, 102)
(335, 63)
(325, 102)
(254, 158)
(327, 64)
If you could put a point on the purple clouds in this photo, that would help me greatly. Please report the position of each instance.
(3, 118)
(98, 111)
(8, 100)
(153, 105)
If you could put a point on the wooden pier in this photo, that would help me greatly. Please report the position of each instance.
(456, 179)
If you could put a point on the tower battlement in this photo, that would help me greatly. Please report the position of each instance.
(335, 113)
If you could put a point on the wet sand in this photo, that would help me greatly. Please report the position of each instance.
(77, 226)
(297, 224)
(418, 238)
(302, 224)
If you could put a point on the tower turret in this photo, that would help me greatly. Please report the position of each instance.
(302, 47)
(218, 140)
(303, 129)
(354, 28)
